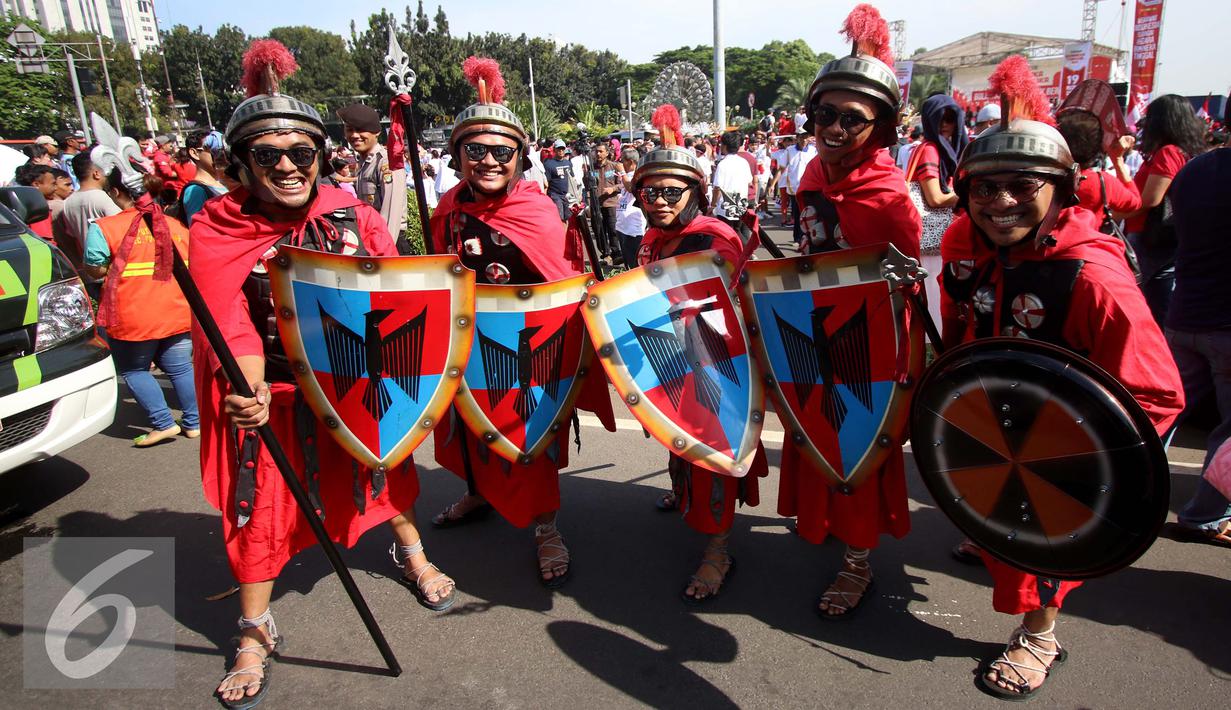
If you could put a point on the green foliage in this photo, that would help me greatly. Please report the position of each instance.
(28, 102)
(414, 225)
(327, 74)
(923, 85)
(549, 120)
(793, 93)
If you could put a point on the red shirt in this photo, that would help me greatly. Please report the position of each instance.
(786, 126)
(1165, 162)
(1121, 196)
(926, 159)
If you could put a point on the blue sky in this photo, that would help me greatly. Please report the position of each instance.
(638, 29)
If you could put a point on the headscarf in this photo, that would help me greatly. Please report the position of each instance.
(932, 112)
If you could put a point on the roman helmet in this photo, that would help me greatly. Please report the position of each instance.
(669, 158)
(867, 70)
(489, 115)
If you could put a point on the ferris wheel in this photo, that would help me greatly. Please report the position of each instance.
(685, 86)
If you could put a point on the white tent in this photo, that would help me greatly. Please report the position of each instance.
(10, 160)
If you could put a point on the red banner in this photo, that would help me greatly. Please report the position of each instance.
(1076, 65)
(1146, 30)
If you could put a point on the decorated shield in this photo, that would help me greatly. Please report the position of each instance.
(526, 365)
(377, 344)
(839, 358)
(1040, 457)
(674, 345)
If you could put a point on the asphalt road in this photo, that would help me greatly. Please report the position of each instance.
(617, 635)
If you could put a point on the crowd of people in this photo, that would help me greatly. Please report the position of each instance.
(1135, 222)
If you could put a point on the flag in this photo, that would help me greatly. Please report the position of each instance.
(1204, 113)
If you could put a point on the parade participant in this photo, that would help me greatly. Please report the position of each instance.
(852, 195)
(1171, 135)
(1096, 190)
(205, 184)
(1025, 241)
(671, 184)
(987, 117)
(278, 143)
(507, 231)
(376, 182)
(147, 320)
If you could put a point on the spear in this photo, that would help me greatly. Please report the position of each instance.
(400, 79)
(114, 152)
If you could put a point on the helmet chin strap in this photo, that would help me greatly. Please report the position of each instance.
(1041, 237)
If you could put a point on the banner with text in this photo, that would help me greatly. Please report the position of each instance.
(1146, 30)
(1076, 66)
(904, 69)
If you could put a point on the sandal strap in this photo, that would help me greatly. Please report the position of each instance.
(548, 528)
(1023, 638)
(266, 619)
(406, 552)
(436, 584)
(856, 558)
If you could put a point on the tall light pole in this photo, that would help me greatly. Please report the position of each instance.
(102, 55)
(720, 71)
(534, 108)
(204, 95)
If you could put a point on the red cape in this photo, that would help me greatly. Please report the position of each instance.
(873, 204)
(726, 242)
(525, 215)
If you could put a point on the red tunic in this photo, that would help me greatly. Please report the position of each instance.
(709, 498)
(873, 207)
(1121, 196)
(519, 492)
(226, 243)
(1109, 321)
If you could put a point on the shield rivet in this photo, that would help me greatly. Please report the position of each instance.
(489, 437)
(301, 368)
(525, 460)
(805, 266)
(753, 329)
(427, 423)
(1025, 518)
(282, 261)
(632, 398)
(883, 440)
(606, 350)
(769, 379)
(1008, 423)
(590, 282)
(656, 270)
(1025, 505)
(555, 427)
(957, 395)
(678, 443)
(757, 417)
(743, 277)
(582, 372)
(957, 499)
(797, 437)
(938, 442)
(367, 265)
(288, 313)
(523, 293)
(457, 268)
(331, 422)
(739, 468)
(845, 489)
(455, 371)
(1004, 408)
(1014, 385)
(1081, 421)
(1011, 536)
(1072, 536)
(1103, 489)
(382, 468)
(463, 322)
(719, 260)
(593, 302)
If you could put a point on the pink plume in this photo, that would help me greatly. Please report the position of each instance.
(486, 71)
(869, 32)
(666, 119)
(266, 61)
(1020, 95)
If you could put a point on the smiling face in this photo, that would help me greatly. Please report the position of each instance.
(64, 188)
(1005, 219)
(834, 144)
(660, 213)
(487, 176)
(285, 189)
(361, 141)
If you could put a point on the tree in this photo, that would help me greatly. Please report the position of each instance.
(327, 76)
(793, 93)
(27, 101)
(220, 59)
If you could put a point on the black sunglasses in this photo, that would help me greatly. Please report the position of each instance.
(268, 156)
(851, 122)
(1021, 190)
(478, 151)
(650, 195)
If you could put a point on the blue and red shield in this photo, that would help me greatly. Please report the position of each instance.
(673, 343)
(831, 334)
(526, 365)
(377, 344)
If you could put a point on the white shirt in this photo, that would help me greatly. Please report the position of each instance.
(630, 219)
(762, 157)
(799, 160)
(800, 119)
(904, 154)
(707, 164)
(733, 177)
(446, 178)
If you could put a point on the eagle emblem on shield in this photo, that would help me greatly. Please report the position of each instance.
(377, 344)
(529, 358)
(673, 343)
(839, 357)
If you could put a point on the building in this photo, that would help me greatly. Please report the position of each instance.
(125, 21)
(971, 60)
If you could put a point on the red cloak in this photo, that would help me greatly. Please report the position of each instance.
(226, 242)
(1108, 319)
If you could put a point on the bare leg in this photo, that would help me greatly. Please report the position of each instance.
(847, 590)
(1040, 624)
(436, 585)
(553, 555)
(253, 601)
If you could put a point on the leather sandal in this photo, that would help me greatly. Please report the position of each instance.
(667, 502)
(450, 517)
(261, 669)
(556, 555)
(712, 590)
(441, 586)
(1019, 690)
(847, 603)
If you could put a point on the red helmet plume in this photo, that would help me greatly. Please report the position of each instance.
(484, 75)
(868, 33)
(266, 63)
(1020, 95)
(666, 119)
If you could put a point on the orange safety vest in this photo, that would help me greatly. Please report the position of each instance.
(145, 309)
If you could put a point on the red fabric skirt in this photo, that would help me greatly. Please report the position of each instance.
(1017, 592)
(277, 530)
(876, 507)
(708, 499)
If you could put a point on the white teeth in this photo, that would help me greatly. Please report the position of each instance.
(1006, 220)
(833, 144)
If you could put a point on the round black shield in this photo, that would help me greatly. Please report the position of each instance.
(1040, 456)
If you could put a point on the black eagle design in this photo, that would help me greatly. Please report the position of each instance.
(351, 357)
(693, 346)
(505, 368)
(842, 356)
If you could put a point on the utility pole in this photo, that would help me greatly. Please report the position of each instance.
(720, 71)
(72, 74)
(534, 109)
(143, 93)
(115, 114)
(205, 96)
(628, 96)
